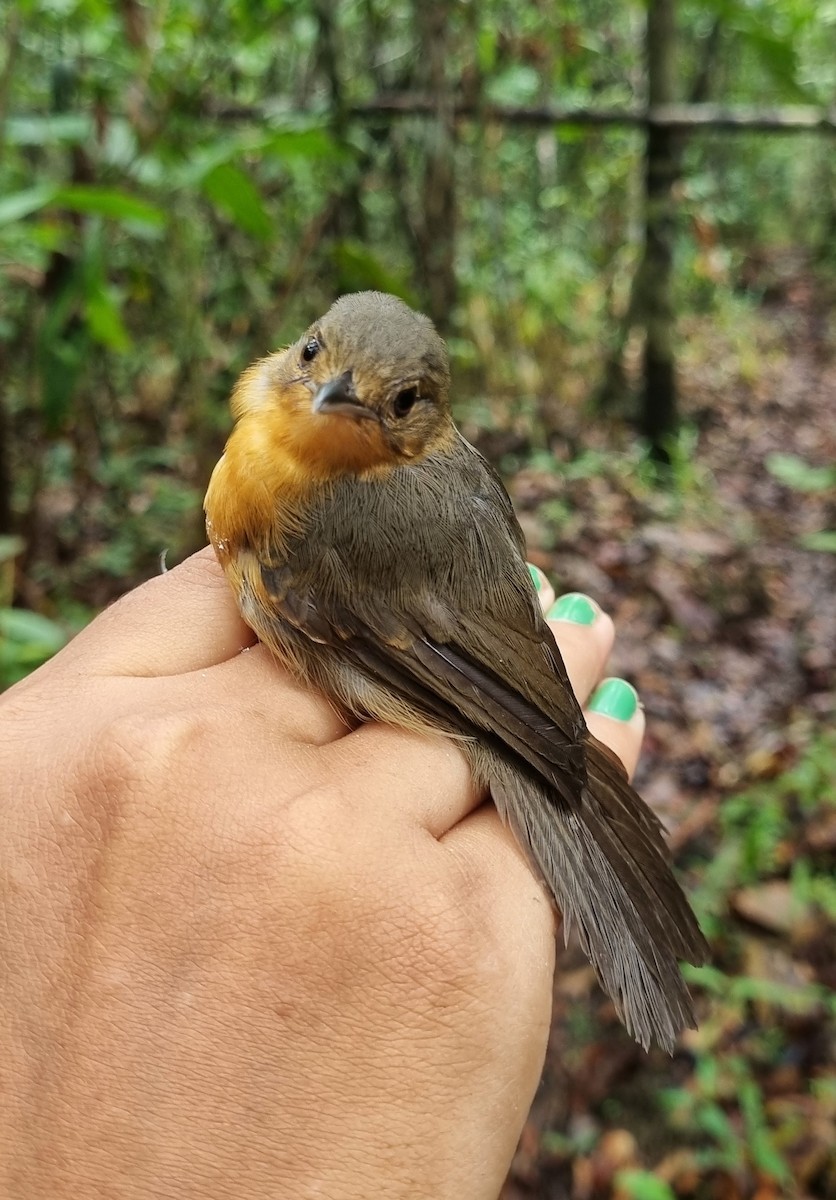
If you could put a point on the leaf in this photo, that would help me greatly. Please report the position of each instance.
(643, 1185)
(302, 143)
(60, 128)
(759, 1140)
(104, 319)
(23, 204)
(31, 629)
(60, 366)
(798, 474)
(26, 640)
(232, 191)
(109, 202)
(823, 541)
(10, 547)
(359, 270)
(283, 144)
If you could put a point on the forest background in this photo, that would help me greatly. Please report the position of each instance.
(185, 185)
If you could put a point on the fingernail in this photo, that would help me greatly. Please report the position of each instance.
(536, 576)
(615, 698)
(574, 606)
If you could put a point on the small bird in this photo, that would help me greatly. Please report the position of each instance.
(377, 555)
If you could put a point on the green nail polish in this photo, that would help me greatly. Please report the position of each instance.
(573, 607)
(615, 698)
(536, 577)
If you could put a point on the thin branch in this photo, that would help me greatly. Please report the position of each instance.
(777, 119)
(789, 118)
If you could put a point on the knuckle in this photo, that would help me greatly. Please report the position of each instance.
(145, 751)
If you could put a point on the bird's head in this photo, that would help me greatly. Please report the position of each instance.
(366, 386)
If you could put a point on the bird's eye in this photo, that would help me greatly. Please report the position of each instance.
(311, 350)
(405, 401)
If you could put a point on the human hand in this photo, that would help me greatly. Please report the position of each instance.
(248, 952)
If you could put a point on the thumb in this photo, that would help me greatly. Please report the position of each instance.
(182, 621)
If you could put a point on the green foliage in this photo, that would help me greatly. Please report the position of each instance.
(643, 1185)
(759, 822)
(723, 1103)
(796, 473)
(26, 640)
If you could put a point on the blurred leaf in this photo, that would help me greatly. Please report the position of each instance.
(517, 84)
(23, 204)
(60, 128)
(10, 547)
(643, 1185)
(360, 269)
(312, 143)
(761, 1146)
(796, 473)
(824, 541)
(487, 44)
(302, 143)
(60, 364)
(26, 640)
(109, 202)
(236, 195)
(29, 628)
(785, 997)
(104, 319)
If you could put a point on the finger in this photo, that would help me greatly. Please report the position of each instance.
(545, 591)
(585, 636)
(616, 718)
(181, 621)
(484, 845)
(426, 775)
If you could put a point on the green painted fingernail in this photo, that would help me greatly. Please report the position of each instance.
(615, 698)
(536, 577)
(574, 606)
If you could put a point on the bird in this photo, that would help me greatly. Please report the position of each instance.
(376, 553)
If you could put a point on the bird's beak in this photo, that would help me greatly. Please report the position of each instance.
(338, 396)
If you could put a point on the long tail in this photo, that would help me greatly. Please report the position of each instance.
(606, 863)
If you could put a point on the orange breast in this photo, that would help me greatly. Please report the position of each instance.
(275, 460)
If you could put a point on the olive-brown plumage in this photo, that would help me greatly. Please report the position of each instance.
(377, 554)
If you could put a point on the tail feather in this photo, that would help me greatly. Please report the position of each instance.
(607, 866)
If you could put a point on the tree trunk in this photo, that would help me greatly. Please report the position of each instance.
(436, 233)
(658, 416)
(346, 217)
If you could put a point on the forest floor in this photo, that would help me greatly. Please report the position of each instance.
(727, 626)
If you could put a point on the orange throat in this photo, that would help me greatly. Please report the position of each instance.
(273, 464)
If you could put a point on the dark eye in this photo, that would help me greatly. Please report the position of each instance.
(405, 401)
(311, 350)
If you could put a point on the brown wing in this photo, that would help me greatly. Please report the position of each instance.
(420, 583)
(412, 596)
